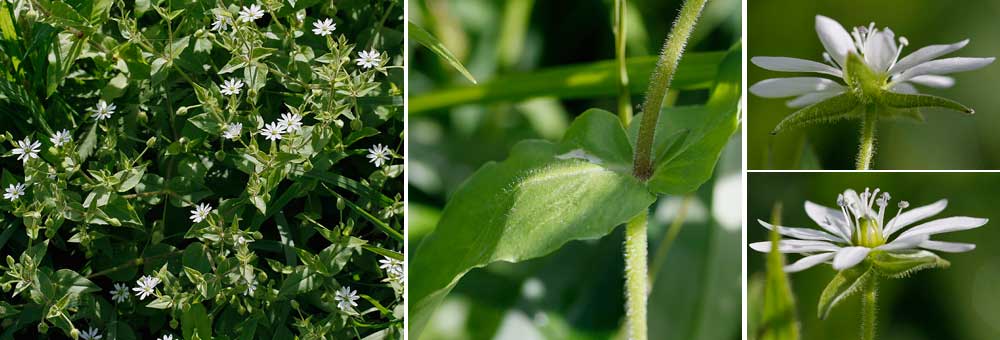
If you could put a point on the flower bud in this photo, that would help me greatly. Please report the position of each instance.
(150, 142)
(75, 333)
(173, 323)
(43, 327)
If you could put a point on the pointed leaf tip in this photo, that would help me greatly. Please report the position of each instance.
(835, 108)
(906, 101)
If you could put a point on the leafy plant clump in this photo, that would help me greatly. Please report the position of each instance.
(201, 169)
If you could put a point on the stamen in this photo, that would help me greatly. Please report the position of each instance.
(902, 205)
(899, 51)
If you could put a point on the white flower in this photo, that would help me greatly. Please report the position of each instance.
(120, 293)
(345, 298)
(26, 149)
(14, 192)
(879, 51)
(166, 337)
(369, 59)
(103, 110)
(290, 122)
(240, 240)
(60, 138)
(272, 131)
(324, 27)
(221, 23)
(146, 286)
(200, 212)
(251, 287)
(857, 229)
(392, 267)
(91, 335)
(231, 87)
(248, 14)
(378, 154)
(232, 131)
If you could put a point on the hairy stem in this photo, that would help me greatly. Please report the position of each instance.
(636, 278)
(869, 310)
(866, 151)
(659, 83)
(624, 97)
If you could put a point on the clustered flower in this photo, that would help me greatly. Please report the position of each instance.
(393, 269)
(232, 131)
(288, 123)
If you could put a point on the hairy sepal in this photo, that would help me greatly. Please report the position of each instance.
(846, 283)
(902, 264)
(843, 106)
(909, 101)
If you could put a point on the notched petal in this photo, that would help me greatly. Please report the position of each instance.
(910, 101)
(838, 107)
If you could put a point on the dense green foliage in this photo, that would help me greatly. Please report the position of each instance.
(277, 128)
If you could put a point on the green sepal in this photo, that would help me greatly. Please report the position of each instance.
(842, 106)
(846, 283)
(861, 80)
(901, 264)
(910, 113)
(907, 101)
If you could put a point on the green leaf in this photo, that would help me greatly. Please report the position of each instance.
(696, 71)
(600, 134)
(162, 302)
(86, 148)
(425, 38)
(196, 257)
(839, 107)
(524, 207)
(779, 319)
(900, 264)
(846, 283)
(689, 140)
(906, 101)
(195, 321)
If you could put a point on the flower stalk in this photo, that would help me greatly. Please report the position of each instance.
(636, 279)
(869, 310)
(659, 83)
(866, 150)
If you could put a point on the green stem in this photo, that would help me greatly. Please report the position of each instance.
(624, 97)
(869, 310)
(636, 277)
(866, 150)
(659, 83)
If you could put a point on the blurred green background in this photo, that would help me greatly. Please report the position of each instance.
(947, 140)
(960, 302)
(575, 293)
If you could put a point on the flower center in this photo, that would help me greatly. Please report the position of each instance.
(869, 233)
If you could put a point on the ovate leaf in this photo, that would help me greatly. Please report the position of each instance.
(195, 321)
(524, 207)
(902, 264)
(846, 283)
(598, 136)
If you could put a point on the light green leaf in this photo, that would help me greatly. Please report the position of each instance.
(902, 264)
(425, 38)
(162, 302)
(196, 322)
(600, 134)
(524, 207)
(846, 283)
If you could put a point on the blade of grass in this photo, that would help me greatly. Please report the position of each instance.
(425, 38)
(696, 71)
(388, 230)
(779, 321)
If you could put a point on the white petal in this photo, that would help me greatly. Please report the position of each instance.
(850, 256)
(803, 233)
(925, 54)
(944, 66)
(904, 243)
(784, 64)
(945, 225)
(829, 219)
(948, 247)
(929, 80)
(880, 50)
(834, 38)
(853, 201)
(795, 246)
(812, 98)
(808, 262)
(795, 86)
(912, 216)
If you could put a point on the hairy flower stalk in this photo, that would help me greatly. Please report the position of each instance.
(869, 80)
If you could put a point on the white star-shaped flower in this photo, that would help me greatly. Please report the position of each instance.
(392, 267)
(249, 14)
(120, 293)
(879, 51)
(232, 131)
(378, 154)
(251, 287)
(272, 131)
(103, 110)
(231, 87)
(146, 286)
(221, 23)
(324, 27)
(290, 122)
(14, 191)
(856, 229)
(200, 212)
(369, 59)
(92, 334)
(345, 298)
(26, 149)
(166, 337)
(60, 138)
